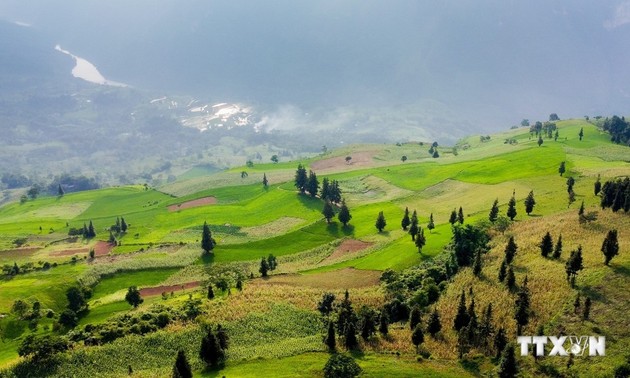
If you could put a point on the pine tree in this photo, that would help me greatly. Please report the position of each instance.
(598, 185)
(414, 228)
(210, 351)
(415, 317)
(367, 322)
(239, 284)
(133, 296)
(210, 292)
(222, 336)
(272, 262)
(562, 168)
(301, 178)
(345, 315)
(265, 182)
(181, 369)
(434, 325)
(587, 308)
(530, 202)
(570, 183)
(494, 211)
(546, 245)
(510, 279)
(453, 217)
(207, 243)
(500, 341)
(503, 271)
(486, 328)
(325, 191)
(540, 140)
(581, 134)
(421, 240)
(431, 224)
(328, 211)
(312, 184)
(91, 231)
(522, 307)
(574, 265)
(123, 225)
(417, 336)
(264, 267)
(461, 319)
(383, 327)
(557, 251)
(85, 233)
(350, 337)
(556, 135)
(507, 366)
(511, 211)
(380, 222)
(510, 250)
(344, 215)
(460, 215)
(405, 222)
(477, 264)
(330, 339)
(610, 246)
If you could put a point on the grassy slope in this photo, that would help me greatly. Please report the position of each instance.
(471, 179)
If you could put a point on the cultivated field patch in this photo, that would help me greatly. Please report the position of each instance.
(359, 160)
(157, 290)
(347, 248)
(348, 278)
(194, 203)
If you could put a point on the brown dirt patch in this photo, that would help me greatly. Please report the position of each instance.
(158, 290)
(348, 246)
(347, 278)
(101, 248)
(19, 252)
(194, 203)
(359, 159)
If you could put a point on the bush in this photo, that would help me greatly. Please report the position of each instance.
(341, 366)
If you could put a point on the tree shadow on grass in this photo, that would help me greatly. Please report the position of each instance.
(207, 258)
(338, 230)
(620, 269)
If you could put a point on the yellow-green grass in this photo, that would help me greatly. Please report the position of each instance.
(312, 364)
(347, 278)
(124, 280)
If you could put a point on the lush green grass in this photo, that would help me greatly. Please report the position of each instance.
(123, 280)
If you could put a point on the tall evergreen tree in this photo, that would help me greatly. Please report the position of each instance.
(587, 308)
(431, 224)
(346, 315)
(540, 140)
(610, 246)
(335, 192)
(272, 262)
(207, 243)
(325, 306)
(434, 325)
(503, 270)
(350, 337)
(557, 251)
(312, 184)
(367, 322)
(421, 240)
(415, 317)
(414, 227)
(301, 178)
(265, 182)
(511, 211)
(133, 296)
(570, 183)
(530, 202)
(453, 217)
(460, 215)
(330, 339)
(222, 337)
(486, 329)
(494, 211)
(181, 369)
(574, 265)
(510, 279)
(325, 191)
(417, 336)
(383, 326)
(500, 341)
(344, 215)
(597, 187)
(328, 211)
(461, 318)
(380, 222)
(510, 250)
(576, 303)
(477, 264)
(210, 351)
(91, 231)
(507, 365)
(123, 225)
(522, 307)
(581, 134)
(210, 294)
(562, 168)
(264, 267)
(405, 222)
(546, 245)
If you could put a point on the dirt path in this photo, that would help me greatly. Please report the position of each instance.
(348, 246)
(194, 203)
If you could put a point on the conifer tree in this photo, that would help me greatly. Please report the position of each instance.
(181, 369)
(460, 215)
(91, 231)
(272, 262)
(598, 185)
(239, 284)
(434, 325)
(222, 336)
(453, 217)
(380, 222)
(207, 243)
(431, 224)
(405, 222)
(546, 245)
(461, 319)
(557, 251)
(562, 168)
(133, 296)
(510, 279)
(574, 265)
(325, 191)
(328, 211)
(421, 240)
(486, 329)
(301, 178)
(570, 183)
(367, 321)
(414, 227)
(265, 182)
(581, 210)
(500, 341)
(530, 202)
(503, 271)
(210, 351)
(494, 211)
(415, 317)
(477, 264)
(344, 215)
(417, 336)
(85, 233)
(350, 337)
(507, 365)
(330, 339)
(522, 307)
(123, 225)
(510, 250)
(511, 211)
(312, 184)
(540, 140)
(581, 134)
(346, 315)
(383, 326)
(210, 292)
(610, 246)
(264, 267)
(587, 308)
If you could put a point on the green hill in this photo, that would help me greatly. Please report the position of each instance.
(273, 322)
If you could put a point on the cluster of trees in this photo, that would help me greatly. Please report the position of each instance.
(415, 230)
(615, 195)
(267, 264)
(433, 151)
(77, 307)
(547, 129)
(308, 183)
(618, 128)
(88, 231)
(15, 269)
(344, 215)
(211, 352)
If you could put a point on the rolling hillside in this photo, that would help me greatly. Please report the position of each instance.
(273, 322)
